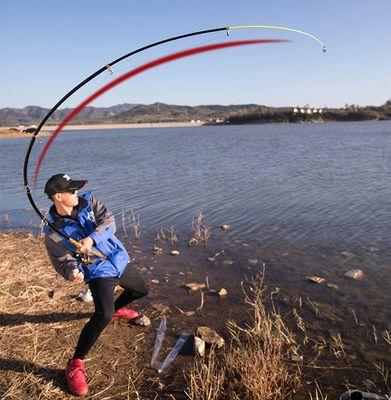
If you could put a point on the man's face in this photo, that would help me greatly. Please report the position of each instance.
(69, 199)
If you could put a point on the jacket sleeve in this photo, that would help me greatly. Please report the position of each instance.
(61, 257)
(105, 222)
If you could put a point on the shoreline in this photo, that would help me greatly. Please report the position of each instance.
(126, 126)
(50, 129)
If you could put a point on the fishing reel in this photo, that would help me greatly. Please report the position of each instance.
(83, 258)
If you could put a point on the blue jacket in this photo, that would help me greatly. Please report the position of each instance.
(92, 219)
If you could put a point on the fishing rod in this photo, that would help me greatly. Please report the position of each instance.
(108, 67)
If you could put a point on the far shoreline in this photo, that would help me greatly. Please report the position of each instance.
(48, 130)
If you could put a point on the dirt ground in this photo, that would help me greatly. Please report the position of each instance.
(41, 319)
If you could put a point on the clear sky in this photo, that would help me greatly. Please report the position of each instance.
(48, 46)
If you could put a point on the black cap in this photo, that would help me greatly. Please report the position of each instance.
(60, 183)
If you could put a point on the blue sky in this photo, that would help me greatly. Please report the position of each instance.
(47, 47)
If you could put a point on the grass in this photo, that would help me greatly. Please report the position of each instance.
(38, 333)
(201, 232)
(257, 365)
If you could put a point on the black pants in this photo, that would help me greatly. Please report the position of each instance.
(102, 290)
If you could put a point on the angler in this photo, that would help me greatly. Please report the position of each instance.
(87, 221)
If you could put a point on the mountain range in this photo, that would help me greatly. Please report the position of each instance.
(161, 112)
(123, 113)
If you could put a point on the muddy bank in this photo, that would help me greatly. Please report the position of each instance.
(343, 329)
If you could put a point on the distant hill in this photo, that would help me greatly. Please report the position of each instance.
(212, 114)
(33, 114)
(123, 113)
(161, 112)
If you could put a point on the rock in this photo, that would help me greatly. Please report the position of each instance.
(155, 281)
(199, 346)
(228, 263)
(86, 296)
(347, 254)
(356, 274)
(174, 253)
(182, 273)
(189, 313)
(57, 293)
(315, 279)
(222, 292)
(157, 250)
(224, 227)
(142, 321)
(253, 261)
(373, 249)
(245, 245)
(194, 286)
(211, 259)
(332, 286)
(210, 336)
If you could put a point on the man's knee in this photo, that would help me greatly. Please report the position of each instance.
(103, 318)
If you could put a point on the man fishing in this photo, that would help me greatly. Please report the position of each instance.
(86, 220)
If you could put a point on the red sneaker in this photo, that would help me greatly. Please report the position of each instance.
(125, 313)
(76, 378)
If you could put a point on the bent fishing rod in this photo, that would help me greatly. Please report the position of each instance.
(107, 67)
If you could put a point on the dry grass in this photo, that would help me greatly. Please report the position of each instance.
(257, 364)
(206, 380)
(38, 333)
(201, 232)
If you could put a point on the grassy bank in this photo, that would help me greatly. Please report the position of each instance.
(269, 354)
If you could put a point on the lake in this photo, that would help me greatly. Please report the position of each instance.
(315, 182)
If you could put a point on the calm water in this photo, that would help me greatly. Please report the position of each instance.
(322, 183)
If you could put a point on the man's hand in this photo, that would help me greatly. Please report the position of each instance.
(86, 245)
(76, 276)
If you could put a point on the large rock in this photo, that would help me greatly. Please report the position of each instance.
(356, 274)
(199, 346)
(210, 336)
